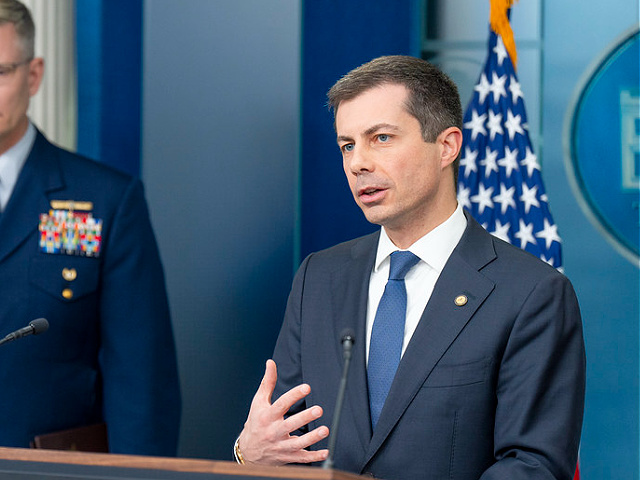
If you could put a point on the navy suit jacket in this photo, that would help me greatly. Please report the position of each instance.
(109, 353)
(492, 389)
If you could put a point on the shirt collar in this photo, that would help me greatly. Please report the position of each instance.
(434, 248)
(12, 161)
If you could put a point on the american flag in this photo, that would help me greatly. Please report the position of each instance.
(499, 180)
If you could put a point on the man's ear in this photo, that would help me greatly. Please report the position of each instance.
(450, 143)
(36, 72)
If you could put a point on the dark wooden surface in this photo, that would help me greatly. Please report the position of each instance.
(215, 469)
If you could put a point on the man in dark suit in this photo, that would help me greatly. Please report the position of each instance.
(76, 247)
(486, 378)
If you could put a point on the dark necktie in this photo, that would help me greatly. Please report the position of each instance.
(385, 348)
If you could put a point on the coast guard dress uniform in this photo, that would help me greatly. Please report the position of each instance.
(77, 248)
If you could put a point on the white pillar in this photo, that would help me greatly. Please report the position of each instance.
(54, 108)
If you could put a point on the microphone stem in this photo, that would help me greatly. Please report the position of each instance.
(328, 463)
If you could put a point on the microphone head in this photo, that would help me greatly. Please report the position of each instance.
(39, 325)
(348, 335)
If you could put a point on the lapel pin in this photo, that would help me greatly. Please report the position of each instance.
(461, 300)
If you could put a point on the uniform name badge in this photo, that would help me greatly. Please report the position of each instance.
(69, 229)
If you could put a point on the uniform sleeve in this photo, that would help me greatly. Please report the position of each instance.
(137, 354)
(541, 387)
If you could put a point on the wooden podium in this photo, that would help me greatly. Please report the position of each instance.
(30, 464)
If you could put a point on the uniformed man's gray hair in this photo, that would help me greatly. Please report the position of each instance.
(15, 12)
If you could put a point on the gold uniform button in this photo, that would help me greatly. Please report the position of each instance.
(69, 274)
(67, 293)
(461, 300)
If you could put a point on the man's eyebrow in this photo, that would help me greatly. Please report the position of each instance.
(381, 126)
(370, 131)
(344, 138)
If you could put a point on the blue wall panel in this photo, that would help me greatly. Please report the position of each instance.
(109, 49)
(337, 37)
(220, 146)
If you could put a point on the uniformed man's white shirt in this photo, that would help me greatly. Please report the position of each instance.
(11, 163)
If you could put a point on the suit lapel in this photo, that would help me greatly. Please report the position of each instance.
(441, 323)
(39, 176)
(350, 285)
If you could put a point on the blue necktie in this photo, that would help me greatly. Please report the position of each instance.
(385, 348)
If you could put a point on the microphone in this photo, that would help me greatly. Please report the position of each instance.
(35, 327)
(347, 339)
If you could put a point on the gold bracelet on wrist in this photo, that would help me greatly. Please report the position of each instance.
(237, 453)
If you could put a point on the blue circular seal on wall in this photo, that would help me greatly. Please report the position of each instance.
(602, 138)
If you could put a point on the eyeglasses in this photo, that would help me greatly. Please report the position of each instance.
(7, 69)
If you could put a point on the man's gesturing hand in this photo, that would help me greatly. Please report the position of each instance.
(266, 438)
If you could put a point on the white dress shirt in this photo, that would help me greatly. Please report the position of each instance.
(433, 250)
(11, 163)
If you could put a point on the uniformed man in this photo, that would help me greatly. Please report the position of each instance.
(77, 248)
